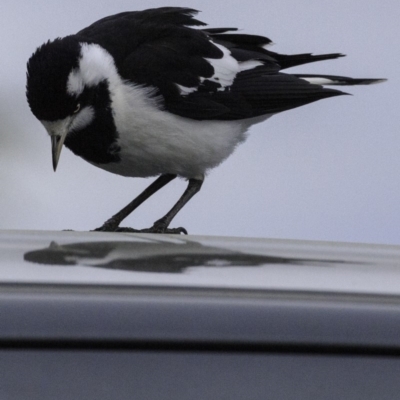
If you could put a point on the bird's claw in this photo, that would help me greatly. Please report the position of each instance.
(108, 226)
(158, 227)
(161, 226)
(174, 231)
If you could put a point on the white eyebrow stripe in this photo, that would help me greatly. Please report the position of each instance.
(75, 84)
(95, 65)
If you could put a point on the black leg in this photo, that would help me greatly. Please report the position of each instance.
(161, 225)
(112, 224)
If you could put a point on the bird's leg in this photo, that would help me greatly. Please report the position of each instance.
(161, 225)
(111, 225)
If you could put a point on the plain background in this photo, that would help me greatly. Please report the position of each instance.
(326, 171)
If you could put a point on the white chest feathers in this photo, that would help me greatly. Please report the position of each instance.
(153, 141)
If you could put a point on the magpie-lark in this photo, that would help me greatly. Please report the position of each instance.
(149, 93)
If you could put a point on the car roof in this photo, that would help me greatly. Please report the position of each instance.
(148, 260)
(77, 288)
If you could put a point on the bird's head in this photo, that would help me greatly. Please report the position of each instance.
(63, 78)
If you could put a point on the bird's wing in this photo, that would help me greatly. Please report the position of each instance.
(203, 73)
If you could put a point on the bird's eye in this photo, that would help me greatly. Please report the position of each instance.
(77, 108)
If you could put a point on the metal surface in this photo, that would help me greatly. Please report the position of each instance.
(197, 316)
(195, 261)
(135, 288)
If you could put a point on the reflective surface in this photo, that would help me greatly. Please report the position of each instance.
(144, 259)
(122, 316)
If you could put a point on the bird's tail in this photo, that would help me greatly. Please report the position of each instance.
(337, 80)
(294, 60)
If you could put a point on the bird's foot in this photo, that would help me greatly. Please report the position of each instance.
(158, 227)
(174, 231)
(161, 226)
(109, 226)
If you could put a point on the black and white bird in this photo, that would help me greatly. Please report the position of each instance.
(149, 93)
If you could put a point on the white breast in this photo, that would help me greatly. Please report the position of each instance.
(154, 142)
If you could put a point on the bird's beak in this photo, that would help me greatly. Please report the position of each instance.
(58, 131)
(57, 142)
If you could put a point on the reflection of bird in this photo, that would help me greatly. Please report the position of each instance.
(157, 256)
(144, 94)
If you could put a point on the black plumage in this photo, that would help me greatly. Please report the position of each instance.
(174, 54)
(162, 50)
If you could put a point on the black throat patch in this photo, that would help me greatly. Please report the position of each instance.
(96, 143)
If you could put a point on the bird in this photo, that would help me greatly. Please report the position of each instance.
(155, 93)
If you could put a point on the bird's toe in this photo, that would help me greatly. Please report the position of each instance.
(160, 227)
(108, 226)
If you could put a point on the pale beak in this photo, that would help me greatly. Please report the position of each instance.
(56, 147)
(58, 131)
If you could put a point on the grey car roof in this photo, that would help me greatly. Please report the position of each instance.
(198, 261)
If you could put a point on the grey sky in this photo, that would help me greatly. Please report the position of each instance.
(326, 171)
